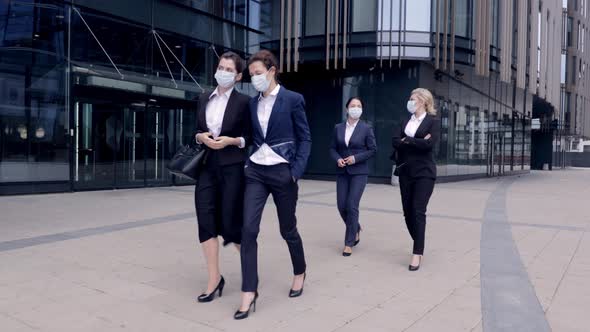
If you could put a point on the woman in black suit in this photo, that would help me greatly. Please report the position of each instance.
(353, 144)
(413, 144)
(223, 125)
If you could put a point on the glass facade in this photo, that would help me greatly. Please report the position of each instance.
(33, 122)
(480, 133)
(101, 94)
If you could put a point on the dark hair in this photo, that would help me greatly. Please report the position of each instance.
(353, 98)
(236, 59)
(267, 58)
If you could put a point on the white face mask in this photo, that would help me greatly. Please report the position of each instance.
(261, 82)
(355, 112)
(411, 106)
(225, 79)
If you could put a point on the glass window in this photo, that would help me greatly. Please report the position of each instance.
(315, 22)
(570, 28)
(270, 11)
(126, 44)
(418, 15)
(463, 18)
(391, 15)
(235, 11)
(563, 69)
(579, 44)
(496, 24)
(574, 64)
(204, 5)
(364, 13)
(33, 123)
(134, 10)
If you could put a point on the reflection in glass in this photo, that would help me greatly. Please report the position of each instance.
(364, 14)
(33, 128)
(418, 15)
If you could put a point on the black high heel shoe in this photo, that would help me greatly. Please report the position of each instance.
(297, 293)
(347, 254)
(203, 298)
(415, 268)
(244, 314)
(356, 242)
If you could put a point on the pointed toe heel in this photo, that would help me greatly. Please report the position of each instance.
(239, 315)
(297, 293)
(204, 298)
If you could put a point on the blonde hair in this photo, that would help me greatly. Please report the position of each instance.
(426, 98)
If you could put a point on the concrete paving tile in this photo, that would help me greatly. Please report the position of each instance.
(138, 317)
(460, 311)
(9, 323)
(147, 278)
(54, 316)
(568, 308)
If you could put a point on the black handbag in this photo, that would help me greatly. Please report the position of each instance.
(188, 161)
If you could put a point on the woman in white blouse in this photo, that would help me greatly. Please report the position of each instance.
(413, 144)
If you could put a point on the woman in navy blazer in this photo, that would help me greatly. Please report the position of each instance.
(353, 144)
(282, 143)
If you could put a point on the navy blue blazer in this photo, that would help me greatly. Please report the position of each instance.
(362, 146)
(288, 133)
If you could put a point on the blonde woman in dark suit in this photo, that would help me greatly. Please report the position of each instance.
(414, 143)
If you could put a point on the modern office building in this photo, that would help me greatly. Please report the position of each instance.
(573, 131)
(98, 94)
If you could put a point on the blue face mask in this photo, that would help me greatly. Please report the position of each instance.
(411, 106)
(355, 112)
(260, 82)
(224, 78)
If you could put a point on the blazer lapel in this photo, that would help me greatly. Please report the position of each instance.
(254, 116)
(355, 132)
(275, 109)
(422, 127)
(201, 115)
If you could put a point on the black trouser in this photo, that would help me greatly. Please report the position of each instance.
(349, 190)
(415, 194)
(262, 181)
(219, 200)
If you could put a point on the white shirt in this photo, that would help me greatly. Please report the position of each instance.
(265, 155)
(349, 131)
(215, 111)
(413, 125)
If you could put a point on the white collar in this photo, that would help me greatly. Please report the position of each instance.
(414, 118)
(216, 92)
(348, 125)
(274, 92)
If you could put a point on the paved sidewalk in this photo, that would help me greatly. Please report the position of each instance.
(516, 249)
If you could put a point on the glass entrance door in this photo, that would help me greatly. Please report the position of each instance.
(121, 145)
(124, 142)
(96, 142)
(159, 144)
(130, 159)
